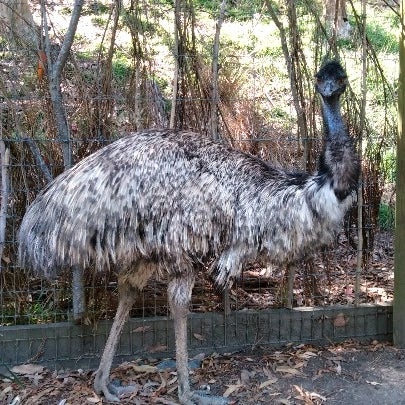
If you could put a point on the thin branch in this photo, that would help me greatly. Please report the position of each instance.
(292, 73)
(176, 64)
(215, 68)
(5, 189)
(38, 159)
(54, 76)
(68, 40)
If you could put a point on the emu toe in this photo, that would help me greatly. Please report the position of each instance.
(111, 391)
(108, 395)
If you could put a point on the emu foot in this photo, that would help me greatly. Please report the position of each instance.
(113, 390)
(203, 398)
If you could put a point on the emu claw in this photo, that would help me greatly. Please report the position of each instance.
(113, 391)
(117, 389)
(108, 393)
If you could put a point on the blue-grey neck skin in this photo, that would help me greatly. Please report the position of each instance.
(334, 126)
(339, 161)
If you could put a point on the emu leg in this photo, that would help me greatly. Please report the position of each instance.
(103, 373)
(179, 295)
(78, 294)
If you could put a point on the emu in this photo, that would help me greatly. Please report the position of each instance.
(168, 202)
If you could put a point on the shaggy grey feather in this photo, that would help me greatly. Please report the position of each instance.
(166, 201)
(177, 197)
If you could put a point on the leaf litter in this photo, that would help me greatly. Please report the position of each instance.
(300, 374)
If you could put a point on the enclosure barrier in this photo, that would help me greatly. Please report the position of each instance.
(66, 345)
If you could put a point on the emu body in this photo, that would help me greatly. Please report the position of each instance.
(177, 198)
(165, 201)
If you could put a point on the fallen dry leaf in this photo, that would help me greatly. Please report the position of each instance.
(307, 355)
(267, 383)
(307, 396)
(245, 376)
(301, 364)
(144, 368)
(373, 383)
(158, 348)
(93, 400)
(199, 337)
(5, 391)
(27, 369)
(142, 329)
(283, 401)
(288, 370)
(231, 389)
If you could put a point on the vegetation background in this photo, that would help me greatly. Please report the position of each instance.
(76, 75)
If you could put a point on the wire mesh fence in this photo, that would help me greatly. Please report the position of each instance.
(119, 78)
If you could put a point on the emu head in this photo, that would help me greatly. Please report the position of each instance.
(331, 80)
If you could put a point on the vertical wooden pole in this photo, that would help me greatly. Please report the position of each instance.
(360, 241)
(399, 277)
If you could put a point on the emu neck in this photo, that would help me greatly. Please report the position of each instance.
(338, 162)
(333, 121)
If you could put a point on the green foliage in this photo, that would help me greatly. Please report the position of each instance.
(99, 21)
(240, 10)
(389, 166)
(3, 42)
(95, 7)
(381, 34)
(138, 24)
(39, 312)
(121, 67)
(89, 8)
(278, 112)
(381, 39)
(386, 217)
(66, 11)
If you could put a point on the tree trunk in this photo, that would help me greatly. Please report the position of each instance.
(55, 70)
(399, 274)
(336, 18)
(17, 17)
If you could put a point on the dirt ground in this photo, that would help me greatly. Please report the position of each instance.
(348, 373)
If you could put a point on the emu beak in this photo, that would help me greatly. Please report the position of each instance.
(328, 88)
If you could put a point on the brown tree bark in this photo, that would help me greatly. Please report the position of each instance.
(55, 70)
(399, 275)
(17, 17)
(336, 18)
